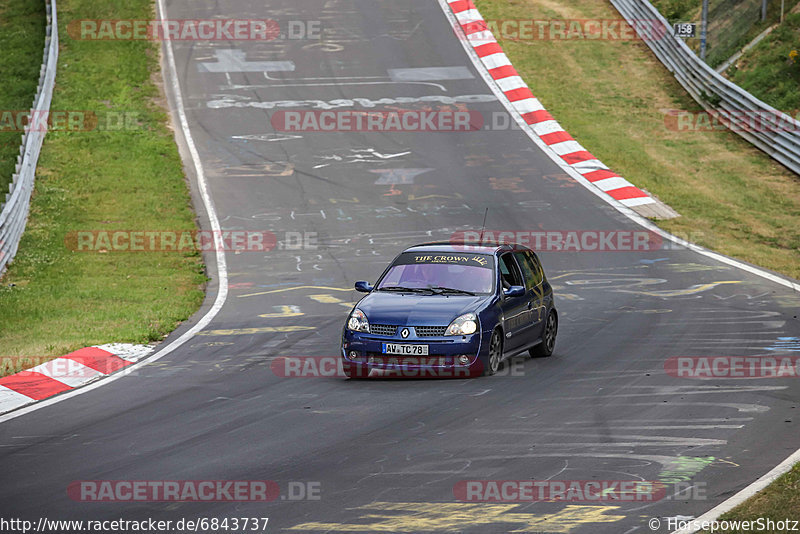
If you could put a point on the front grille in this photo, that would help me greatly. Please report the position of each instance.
(422, 331)
(383, 329)
(430, 331)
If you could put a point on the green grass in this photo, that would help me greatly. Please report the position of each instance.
(779, 501)
(54, 300)
(22, 26)
(678, 10)
(770, 71)
(611, 96)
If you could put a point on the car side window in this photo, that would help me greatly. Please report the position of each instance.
(537, 267)
(509, 272)
(529, 271)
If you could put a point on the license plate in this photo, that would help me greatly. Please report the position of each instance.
(406, 350)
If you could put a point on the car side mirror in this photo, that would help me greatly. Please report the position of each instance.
(363, 286)
(514, 291)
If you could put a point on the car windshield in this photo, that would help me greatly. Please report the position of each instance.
(443, 273)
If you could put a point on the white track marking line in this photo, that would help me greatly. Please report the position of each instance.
(222, 268)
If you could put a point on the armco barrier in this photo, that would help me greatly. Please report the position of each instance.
(14, 213)
(714, 92)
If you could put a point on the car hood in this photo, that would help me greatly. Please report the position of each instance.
(417, 310)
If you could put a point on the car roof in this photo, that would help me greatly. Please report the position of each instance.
(455, 246)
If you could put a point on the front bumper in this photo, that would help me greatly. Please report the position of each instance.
(363, 353)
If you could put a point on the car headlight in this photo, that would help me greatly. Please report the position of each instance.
(358, 321)
(463, 325)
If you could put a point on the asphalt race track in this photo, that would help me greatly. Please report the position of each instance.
(386, 454)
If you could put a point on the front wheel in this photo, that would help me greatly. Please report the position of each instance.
(495, 354)
(548, 344)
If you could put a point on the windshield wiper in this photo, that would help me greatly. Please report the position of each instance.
(441, 290)
(407, 289)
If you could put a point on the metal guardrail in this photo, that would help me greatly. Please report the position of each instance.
(736, 106)
(14, 213)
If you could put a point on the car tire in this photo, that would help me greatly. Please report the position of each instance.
(548, 344)
(493, 359)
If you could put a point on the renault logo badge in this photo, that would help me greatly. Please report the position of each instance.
(404, 333)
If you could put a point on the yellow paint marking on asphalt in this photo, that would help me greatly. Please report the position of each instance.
(628, 309)
(694, 267)
(787, 301)
(296, 288)
(604, 271)
(256, 330)
(325, 299)
(279, 169)
(699, 288)
(283, 311)
(453, 517)
(428, 197)
(330, 299)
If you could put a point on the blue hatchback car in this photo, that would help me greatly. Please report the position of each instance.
(444, 309)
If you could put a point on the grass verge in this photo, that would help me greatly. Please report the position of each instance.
(54, 300)
(779, 501)
(771, 70)
(22, 26)
(612, 97)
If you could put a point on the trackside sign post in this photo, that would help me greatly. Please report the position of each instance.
(685, 30)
